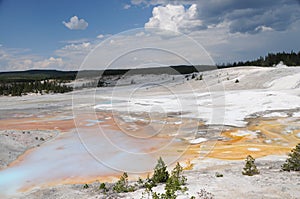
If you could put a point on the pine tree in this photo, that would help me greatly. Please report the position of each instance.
(86, 186)
(293, 162)
(122, 185)
(160, 172)
(250, 167)
(175, 182)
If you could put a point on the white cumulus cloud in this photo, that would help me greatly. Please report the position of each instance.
(76, 24)
(74, 54)
(52, 62)
(126, 6)
(100, 36)
(175, 18)
(78, 47)
(248, 16)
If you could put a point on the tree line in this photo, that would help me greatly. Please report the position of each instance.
(38, 87)
(272, 59)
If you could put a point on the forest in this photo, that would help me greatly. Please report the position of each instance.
(272, 59)
(38, 87)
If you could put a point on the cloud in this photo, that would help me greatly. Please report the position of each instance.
(100, 36)
(277, 16)
(222, 46)
(137, 2)
(77, 47)
(247, 16)
(263, 29)
(74, 54)
(12, 59)
(20, 59)
(126, 6)
(143, 48)
(251, 46)
(175, 18)
(76, 24)
(75, 41)
(50, 63)
(151, 2)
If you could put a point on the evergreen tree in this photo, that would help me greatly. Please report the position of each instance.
(250, 167)
(293, 162)
(161, 174)
(122, 185)
(175, 182)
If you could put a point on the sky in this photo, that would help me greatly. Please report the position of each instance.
(72, 35)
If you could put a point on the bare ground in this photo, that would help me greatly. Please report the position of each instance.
(14, 143)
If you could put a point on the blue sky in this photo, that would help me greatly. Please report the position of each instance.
(37, 24)
(41, 34)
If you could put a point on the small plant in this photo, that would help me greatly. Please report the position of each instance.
(140, 181)
(250, 167)
(86, 186)
(219, 175)
(200, 77)
(103, 187)
(203, 194)
(161, 174)
(177, 179)
(237, 81)
(148, 185)
(293, 161)
(175, 182)
(122, 185)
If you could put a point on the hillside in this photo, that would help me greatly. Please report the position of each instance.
(38, 75)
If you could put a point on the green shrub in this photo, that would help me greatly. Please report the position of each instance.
(161, 174)
(86, 186)
(293, 161)
(103, 187)
(174, 183)
(122, 185)
(176, 180)
(140, 181)
(250, 167)
(148, 185)
(219, 175)
(200, 77)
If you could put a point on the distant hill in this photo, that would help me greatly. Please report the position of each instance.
(38, 75)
